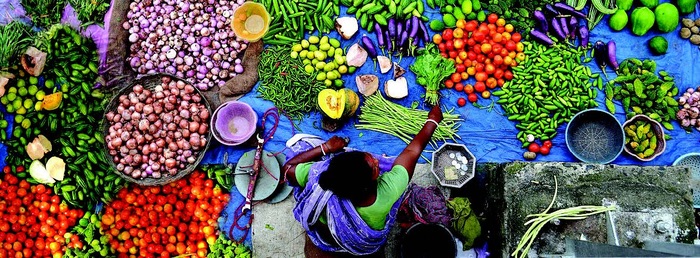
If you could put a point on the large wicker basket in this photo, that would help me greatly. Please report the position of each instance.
(150, 82)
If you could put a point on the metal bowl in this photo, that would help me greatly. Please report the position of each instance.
(453, 165)
(150, 82)
(595, 136)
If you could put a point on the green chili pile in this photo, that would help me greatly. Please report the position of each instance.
(298, 17)
(284, 82)
(548, 89)
(379, 114)
(14, 38)
(642, 92)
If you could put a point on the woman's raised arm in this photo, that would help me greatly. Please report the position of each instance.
(409, 156)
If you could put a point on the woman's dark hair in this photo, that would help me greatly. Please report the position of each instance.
(349, 176)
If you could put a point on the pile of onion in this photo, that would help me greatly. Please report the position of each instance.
(190, 39)
(156, 133)
(689, 113)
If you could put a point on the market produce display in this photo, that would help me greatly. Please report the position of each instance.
(14, 37)
(33, 219)
(191, 40)
(371, 12)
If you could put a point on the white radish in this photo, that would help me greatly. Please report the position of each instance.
(357, 56)
(384, 64)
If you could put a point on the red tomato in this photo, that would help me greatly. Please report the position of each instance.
(490, 69)
(456, 77)
(491, 83)
(544, 150)
(504, 52)
(471, 55)
(472, 97)
(471, 42)
(443, 54)
(471, 25)
(547, 144)
(501, 82)
(501, 29)
(492, 28)
(516, 37)
(463, 55)
(496, 48)
(486, 48)
(450, 45)
(510, 45)
(459, 87)
(447, 34)
(534, 147)
(492, 18)
(458, 44)
(468, 89)
(480, 58)
(508, 75)
(442, 47)
(498, 74)
(461, 102)
(484, 29)
(453, 54)
(479, 87)
(478, 36)
(479, 67)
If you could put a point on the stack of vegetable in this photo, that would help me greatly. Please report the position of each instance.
(227, 248)
(294, 19)
(665, 16)
(519, 13)
(316, 52)
(191, 40)
(371, 12)
(599, 8)
(691, 30)
(89, 228)
(284, 82)
(547, 89)
(562, 21)
(642, 92)
(14, 39)
(689, 114)
(381, 115)
(430, 69)
(68, 119)
(486, 51)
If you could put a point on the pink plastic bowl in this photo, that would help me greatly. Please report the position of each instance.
(234, 122)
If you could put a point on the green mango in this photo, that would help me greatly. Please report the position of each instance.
(649, 3)
(642, 20)
(625, 5)
(619, 20)
(658, 45)
(666, 17)
(686, 6)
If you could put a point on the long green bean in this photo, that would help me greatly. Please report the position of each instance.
(284, 82)
(380, 115)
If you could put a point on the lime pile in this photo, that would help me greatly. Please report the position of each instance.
(316, 51)
(25, 96)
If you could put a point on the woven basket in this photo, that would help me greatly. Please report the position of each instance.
(150, 82)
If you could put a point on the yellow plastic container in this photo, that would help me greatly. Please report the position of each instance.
(251, 21)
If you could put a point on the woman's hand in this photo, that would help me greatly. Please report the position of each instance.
(435, 114)
(334, 144)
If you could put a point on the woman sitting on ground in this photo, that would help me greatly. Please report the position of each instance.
(347, 200)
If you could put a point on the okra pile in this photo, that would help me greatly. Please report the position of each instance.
(369, 12)
(642, 92)
(297, 17)
(74, 127)
(548, 88)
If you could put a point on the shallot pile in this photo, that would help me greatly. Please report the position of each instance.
(689, 114)
(155, 133)
(189, 39)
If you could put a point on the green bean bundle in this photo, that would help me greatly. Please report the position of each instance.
(548, 88)
(284, 82)
(292, 18)
(379, 114)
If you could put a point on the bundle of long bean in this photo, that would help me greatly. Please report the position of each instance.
(297, 17)
(14, 38)
(379, 114)
(284, 82)
(541, 219)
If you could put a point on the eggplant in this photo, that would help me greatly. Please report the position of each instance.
(565, 8)
(391, 27)
(612, 55)
(551, 10)
(389, 42)
(564, 23)
(583, 34)
(542, 21)
(541, 37)
(601, 54)
(424, 32)
(414, 28)
(556, 28)
(369, 46)
(380, 36)
(403, 40)
(573, 26)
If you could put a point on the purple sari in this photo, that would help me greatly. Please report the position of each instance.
(350, 232)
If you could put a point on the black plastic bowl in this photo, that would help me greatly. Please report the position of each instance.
(428, 241)
(595, 136)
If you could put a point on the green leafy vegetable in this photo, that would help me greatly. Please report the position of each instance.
(90, 11)
(14, 38)
(430, 69)
(227, 248)
(44, 13)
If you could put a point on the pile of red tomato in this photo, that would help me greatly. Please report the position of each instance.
(33, 220)
(485, 51)
(174, 219)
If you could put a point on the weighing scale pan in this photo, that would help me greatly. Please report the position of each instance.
(266, 184)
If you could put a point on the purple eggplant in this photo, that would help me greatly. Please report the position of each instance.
(601, 54)
(541, 21)
(556, 28)
(565, 8)
(389, 42)
(369, 46)
(424, 32)
(380, 36)
(573, 26)
(551, 10)
(564, 23)
(403, 40)
(583, 34)
(414, 28)
(391, 27)
(612, 55)
(541, 37)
